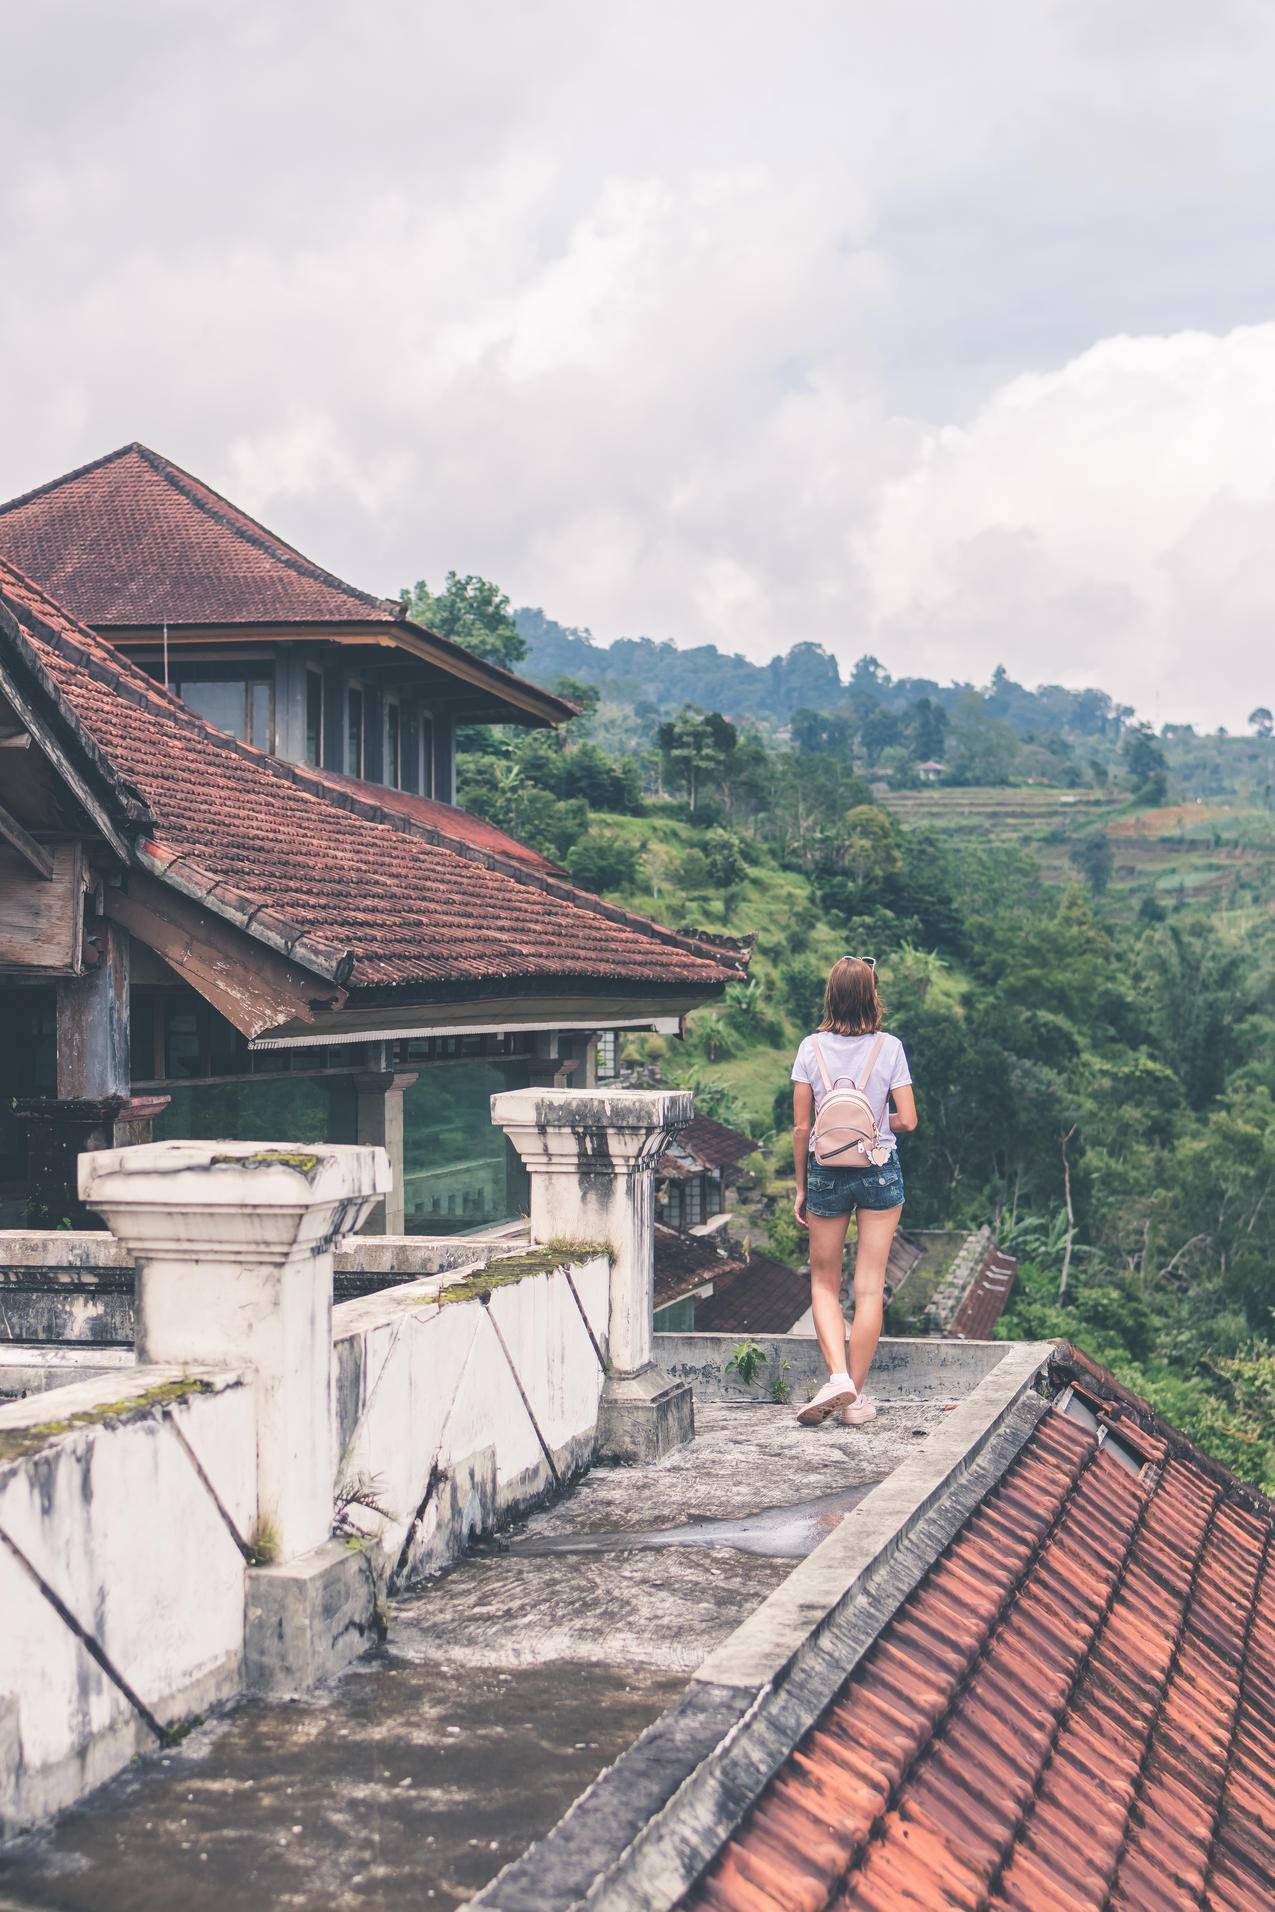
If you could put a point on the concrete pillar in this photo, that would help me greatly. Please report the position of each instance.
(591, 1156)
(233, 1243)
(380, 1125)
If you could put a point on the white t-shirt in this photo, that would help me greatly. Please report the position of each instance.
(846, 1056)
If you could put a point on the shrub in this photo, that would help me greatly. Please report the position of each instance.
(603, 860)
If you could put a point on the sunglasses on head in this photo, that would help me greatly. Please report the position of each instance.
(871, 961)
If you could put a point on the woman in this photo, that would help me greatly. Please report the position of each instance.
(848, 1040)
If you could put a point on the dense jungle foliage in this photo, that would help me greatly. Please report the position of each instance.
(1097, 1081)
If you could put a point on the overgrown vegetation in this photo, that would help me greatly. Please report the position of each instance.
(1084, 979)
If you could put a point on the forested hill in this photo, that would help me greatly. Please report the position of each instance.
(640, 672)
(659, 677)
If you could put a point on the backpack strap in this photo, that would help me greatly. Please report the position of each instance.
(873, 1053)
(823, 1067)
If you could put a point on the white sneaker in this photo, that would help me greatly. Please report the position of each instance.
(859, 1412)
(831, 1396)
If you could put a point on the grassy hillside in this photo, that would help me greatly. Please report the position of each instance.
(1221, 854)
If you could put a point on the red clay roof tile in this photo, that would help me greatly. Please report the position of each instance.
(1073, 1710)
(132, 540)
(228, 822)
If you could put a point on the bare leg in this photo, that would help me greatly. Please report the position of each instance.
(827, 1242)
(876, 1232)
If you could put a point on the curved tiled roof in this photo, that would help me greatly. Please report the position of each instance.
(362, 890)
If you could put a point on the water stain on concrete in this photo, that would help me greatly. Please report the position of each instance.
(784, 1533)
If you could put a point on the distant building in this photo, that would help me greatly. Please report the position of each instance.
(697, 1175)
(931, 771)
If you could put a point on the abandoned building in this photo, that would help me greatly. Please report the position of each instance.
(200, 939)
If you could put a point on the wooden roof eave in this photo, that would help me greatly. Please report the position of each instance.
(526, 702)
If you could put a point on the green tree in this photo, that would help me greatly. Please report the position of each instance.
(603, 860)
(1095, 859)
(470, 611)
(696, 746)
(724, 854)
(1146, 764)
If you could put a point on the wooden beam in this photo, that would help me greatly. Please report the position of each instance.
(42, 923)
(15, 739)
(250, 985)
(28, 849)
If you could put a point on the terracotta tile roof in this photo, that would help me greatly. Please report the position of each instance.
(684, 1263)
(1073, 1709)
(351, 888)
(131, 540)
(448, 822)
(707, 1144)
(985, 1301)
(761, 1297)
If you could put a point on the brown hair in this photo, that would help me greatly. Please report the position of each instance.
(851, 1005)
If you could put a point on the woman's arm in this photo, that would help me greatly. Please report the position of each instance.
(803, 1110)
(903, 1118)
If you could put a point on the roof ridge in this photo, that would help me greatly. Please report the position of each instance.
(261, 536)
(66, 478)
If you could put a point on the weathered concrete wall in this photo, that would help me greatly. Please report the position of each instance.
(133, 1498)
(905, 1368)
(516, 1417)
(127, 1518)
(77, 1285)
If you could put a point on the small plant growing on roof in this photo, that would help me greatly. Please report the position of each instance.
(780, 1385)
(747, 1362)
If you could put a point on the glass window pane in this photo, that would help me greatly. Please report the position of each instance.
(354, 740)
(393, 767)
(259, 701)
(411, 750)
(459, 1172)
(182, 1046)
(304, 1109)
(222, 704)
(313, 717)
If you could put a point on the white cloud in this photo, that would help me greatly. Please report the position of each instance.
(1110, 522)
(710, 322)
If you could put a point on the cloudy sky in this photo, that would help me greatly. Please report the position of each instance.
(946, 332)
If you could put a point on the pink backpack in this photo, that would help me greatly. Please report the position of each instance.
(847, 1133)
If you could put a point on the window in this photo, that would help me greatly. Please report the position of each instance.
(427, 755)
(459, 1171)
(608, 1063)
(393, 745)
(411, 749)
(313, 717)
(242, 704)
(694, 1202)
(354, 732)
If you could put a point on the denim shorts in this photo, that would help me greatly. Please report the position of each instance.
(835, 1191)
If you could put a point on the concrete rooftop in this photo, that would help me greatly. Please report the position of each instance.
(504, 1687)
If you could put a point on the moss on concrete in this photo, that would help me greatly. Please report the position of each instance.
(19, 1443)
(299, 1159)
(505, 1272)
